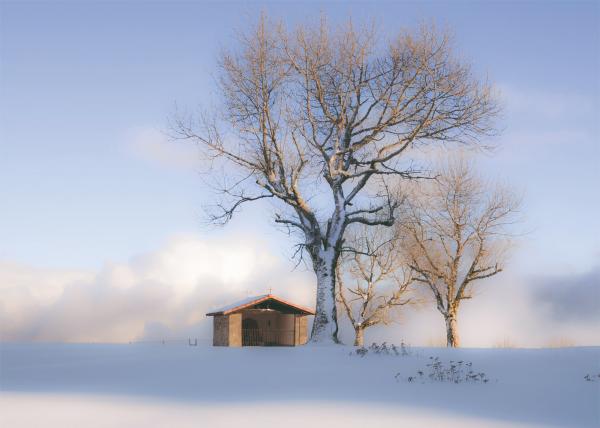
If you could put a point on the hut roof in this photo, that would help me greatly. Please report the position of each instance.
(261, 302)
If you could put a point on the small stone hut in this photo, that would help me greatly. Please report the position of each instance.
(263, 320)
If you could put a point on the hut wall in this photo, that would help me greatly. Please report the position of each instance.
(301, 336)
(286, 327)
(220, 330)
(235, 329)
(270, 327)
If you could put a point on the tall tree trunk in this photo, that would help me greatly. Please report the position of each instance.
(325, 326)
(359, 338)
(452, 331)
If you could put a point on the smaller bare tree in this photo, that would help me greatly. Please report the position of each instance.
(456, 233)
(379, 277)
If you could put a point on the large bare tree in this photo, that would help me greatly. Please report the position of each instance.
(456, 233)
(317, 120)
(378, 279)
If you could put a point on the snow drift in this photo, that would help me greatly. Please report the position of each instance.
(155, 385)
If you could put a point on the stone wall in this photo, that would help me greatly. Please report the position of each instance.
(220, 330)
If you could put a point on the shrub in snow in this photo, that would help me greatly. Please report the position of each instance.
(400, 351)
(592, 378)
(454, 371)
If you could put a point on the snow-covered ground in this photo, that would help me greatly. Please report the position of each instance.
(153, 385)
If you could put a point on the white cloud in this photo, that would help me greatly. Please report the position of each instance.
(153, 146)
(165, 292)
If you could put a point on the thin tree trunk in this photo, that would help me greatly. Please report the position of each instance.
(359, 338)
(325, 327)
(452, 331)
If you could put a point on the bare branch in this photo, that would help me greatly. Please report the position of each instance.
(315, 118)
(455, 235)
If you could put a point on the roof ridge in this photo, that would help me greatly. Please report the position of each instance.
(254, 300)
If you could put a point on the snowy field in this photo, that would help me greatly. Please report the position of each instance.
(153, 385)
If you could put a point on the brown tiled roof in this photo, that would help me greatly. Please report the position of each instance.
(249, 302)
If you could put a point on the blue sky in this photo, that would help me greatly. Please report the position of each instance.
(86, 88)
(77, 80)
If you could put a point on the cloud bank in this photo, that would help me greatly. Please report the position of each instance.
(160, 295)
(165, 294)
(571, 298)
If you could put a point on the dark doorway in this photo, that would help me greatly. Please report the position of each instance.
(251, 333)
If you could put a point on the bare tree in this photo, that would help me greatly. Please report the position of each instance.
(373, 261)
(456, 234)
(317, 120)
